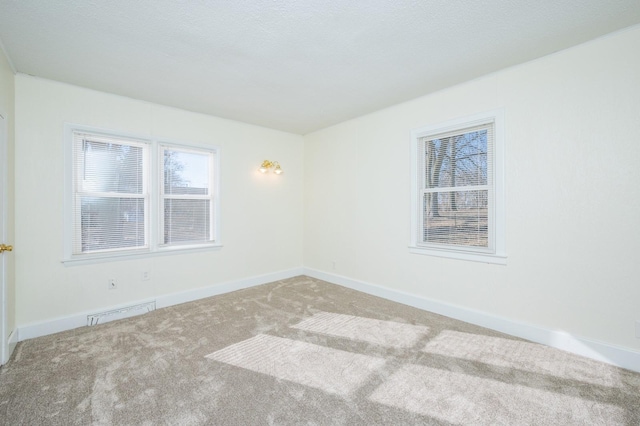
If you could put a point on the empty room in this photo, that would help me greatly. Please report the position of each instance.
(319, 212)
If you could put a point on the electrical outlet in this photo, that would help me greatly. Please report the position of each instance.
(638, 329)
(145, 276)
(333, 265)
(112, 284)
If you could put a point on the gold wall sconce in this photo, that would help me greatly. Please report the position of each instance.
(268, 165)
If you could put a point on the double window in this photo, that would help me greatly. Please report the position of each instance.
(458, 189)
(130, 196)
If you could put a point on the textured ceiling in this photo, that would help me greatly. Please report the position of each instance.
(292, 65)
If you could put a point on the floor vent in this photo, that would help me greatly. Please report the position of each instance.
(116, 314)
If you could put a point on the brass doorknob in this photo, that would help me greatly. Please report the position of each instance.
(4, 248)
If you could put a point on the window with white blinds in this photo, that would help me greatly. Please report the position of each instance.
(111, 197)
(187, 201)
(118, 206)
(458, 208)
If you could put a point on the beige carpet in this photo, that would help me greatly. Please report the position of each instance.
(305, 352)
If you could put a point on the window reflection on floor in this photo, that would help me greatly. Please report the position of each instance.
(522, 355)
(464, 399)
(462, 396)
(331, 370)
(384, 333)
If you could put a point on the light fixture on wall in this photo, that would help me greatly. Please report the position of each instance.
(268, 165)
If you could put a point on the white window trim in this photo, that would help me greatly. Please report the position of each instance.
(162, 196)
(153, 234)
(498, 254)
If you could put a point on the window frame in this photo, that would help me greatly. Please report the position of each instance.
(153, 180)
(496, 250)
(162, 196)
(79, 191)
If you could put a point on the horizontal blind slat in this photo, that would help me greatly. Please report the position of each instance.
(456, 218)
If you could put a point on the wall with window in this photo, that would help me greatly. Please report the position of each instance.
(572, 208)
(7, 90)
(260, 221)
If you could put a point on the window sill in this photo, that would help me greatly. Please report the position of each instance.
(460, 255)
(162, 251)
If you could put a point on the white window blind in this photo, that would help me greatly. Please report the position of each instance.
(187, 199)
(111, 199)
(132, 196)
(457, 187)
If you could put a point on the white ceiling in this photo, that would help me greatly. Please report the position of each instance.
(293, 65)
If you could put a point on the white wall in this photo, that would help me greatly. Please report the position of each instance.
(573, 227)
(573, 205)
(261, 215)
(7, 90)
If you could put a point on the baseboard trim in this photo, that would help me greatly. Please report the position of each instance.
(615, 355)
(12, 341)
(56, 325)
(222, 288)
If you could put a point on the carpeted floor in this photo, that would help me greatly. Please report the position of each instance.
(302, 351)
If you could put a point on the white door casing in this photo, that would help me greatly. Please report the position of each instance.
(4, 349)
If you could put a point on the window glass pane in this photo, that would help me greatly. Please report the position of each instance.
(111, 223)
(458, 160)
(186, 221)
(456, 218)
(111, 167)
(186, 173)
(112, 207)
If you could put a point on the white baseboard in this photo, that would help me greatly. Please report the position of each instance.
(611, 354)
(78, 320)
(12, 341)
(621, 357)
(214, 290)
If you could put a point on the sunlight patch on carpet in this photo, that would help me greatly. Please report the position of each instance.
(521, 355)
(331, 370)
(463, 399)
(378, 332)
